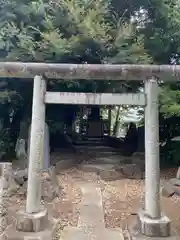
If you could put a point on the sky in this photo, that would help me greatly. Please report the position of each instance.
(131, 115)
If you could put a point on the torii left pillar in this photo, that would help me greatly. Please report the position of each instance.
(33, 221)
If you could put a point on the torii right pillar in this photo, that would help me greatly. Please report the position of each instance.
(152, 223)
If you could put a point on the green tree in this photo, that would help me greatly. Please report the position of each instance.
(71, 31)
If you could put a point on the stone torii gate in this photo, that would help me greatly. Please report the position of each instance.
(151, 221)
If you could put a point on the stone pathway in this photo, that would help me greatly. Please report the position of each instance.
(91, 225)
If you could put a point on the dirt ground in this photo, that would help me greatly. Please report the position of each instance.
(122, 198)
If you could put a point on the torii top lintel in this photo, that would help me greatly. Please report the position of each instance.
(90, 71)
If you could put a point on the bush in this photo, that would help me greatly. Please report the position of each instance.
(5, 143)
(170, 153)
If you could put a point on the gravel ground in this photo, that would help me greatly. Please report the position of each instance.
(122, 197)
(66, 209)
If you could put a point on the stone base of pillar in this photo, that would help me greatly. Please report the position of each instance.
(143, 237)
(31, 222)
(36, 226)
(153, 227)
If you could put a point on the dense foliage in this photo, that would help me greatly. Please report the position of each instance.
(86, 31)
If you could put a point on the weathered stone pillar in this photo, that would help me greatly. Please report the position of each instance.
(46, 149)
(36, 146)
(34, 222)
(152, 222)
(152, 181)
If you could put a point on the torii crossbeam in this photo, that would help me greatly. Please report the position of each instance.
(152, 222)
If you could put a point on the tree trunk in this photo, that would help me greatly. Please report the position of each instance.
(81, 114)
(109, 120)
(116, 124)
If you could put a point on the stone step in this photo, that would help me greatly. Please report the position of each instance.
(143, 237)
(96, 167)
(95, 148)
(70, 233)
(112, 158)
(91, 209)
(91, 216)
(91, 225)
(88, 142)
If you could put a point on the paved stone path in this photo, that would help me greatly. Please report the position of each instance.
(91, 224)
(91, 210)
